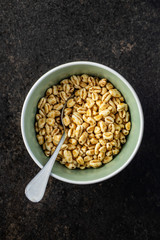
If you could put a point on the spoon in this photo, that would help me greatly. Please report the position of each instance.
(35, 189)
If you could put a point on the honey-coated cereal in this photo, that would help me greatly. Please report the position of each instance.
(96, 119)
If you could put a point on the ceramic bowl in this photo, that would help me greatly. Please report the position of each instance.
(87, 176)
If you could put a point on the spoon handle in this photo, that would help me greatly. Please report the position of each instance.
(36, 187)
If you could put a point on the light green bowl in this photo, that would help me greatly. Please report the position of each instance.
(87, 176)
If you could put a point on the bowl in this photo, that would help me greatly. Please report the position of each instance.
(87, 176)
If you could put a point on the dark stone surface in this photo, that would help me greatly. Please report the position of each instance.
(39, 35)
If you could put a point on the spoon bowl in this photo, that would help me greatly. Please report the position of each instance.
(35, 189)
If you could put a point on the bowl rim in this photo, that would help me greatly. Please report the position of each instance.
(123, 80)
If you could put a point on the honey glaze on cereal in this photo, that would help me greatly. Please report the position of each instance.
(96, 120)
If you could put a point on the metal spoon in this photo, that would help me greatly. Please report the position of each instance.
(35, 189)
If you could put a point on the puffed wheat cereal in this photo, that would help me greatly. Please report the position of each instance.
(97, 121)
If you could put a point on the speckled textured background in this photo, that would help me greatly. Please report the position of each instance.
(39, 35)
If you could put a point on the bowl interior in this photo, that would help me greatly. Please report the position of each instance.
(30, 109)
